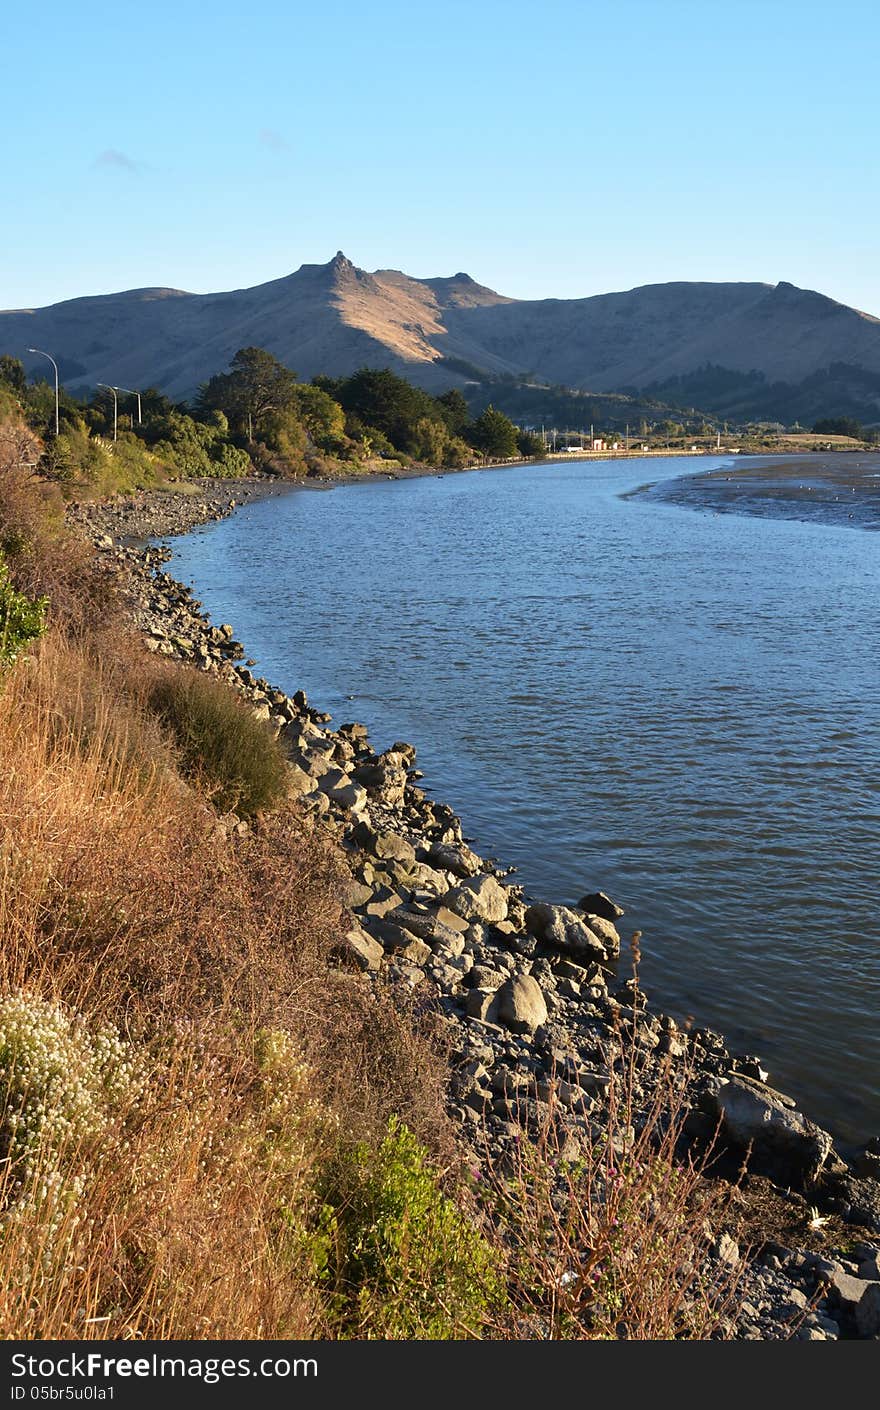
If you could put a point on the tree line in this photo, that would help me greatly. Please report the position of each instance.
(845, 426)
(258, 415)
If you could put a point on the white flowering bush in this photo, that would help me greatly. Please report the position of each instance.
(279, 1063)
(60, 1083)
(286, 1112)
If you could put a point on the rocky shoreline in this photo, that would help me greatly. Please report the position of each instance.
(530, 993)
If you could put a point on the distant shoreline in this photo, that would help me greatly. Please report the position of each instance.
(169, 510)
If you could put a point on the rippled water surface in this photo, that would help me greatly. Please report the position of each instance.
(679, 707)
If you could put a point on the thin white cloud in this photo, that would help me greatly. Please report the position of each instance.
(273, 140)
(113, 158)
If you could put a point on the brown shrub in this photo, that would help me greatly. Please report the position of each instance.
(614, 1242)
(45, 559)
(380, 1054)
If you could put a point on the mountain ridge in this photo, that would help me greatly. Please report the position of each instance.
(765, 344)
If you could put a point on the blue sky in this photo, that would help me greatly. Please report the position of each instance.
(560, 149)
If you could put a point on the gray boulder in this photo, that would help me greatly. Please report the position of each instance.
(478, 1003)
(846, 1289)
(868, 1311)
(781, 1137)
(407, 752)
(427, 927)
(385, 845)
(566, 930)
(348, 795)
(357, 945)
(455, 857)
(598, 904)
(384, 899)
(482, 976)
(299, 783)
(448, 917)
(520, 1004)
(479, 899)
(397, 941)
(356, 732)
(333, 778)
(384, 777)
(356, 893)
(425, 878)
(607, 933)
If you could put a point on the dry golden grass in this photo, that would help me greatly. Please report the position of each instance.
(123, 898)
(113, 866)
(617, 1243)
(44, 558)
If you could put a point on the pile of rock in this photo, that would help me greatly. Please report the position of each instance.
(154, 513)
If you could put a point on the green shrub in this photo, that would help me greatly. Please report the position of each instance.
(21, 618)
(400, 1259)
(133, 465)
(229, 461)
(93, 464)
(457, 453)
(9, 402)
(191, 449)
(220, 742)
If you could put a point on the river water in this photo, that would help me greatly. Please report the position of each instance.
(673, 704)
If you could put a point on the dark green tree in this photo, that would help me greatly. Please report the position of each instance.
(494, 435)
(327, 384)
(839, 426)
(321, 415)
(155, 406)
(379, 398)
(530, 445)
(38, 402)
(256, 387)
(454, 410)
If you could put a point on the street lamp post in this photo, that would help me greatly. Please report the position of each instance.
(107, 387)
(40, 353)
(132, 393)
